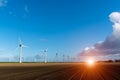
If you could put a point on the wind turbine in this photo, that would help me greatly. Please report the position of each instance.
(63, 58)
(56, 57)
(68, 57)
(20, 46)
(45, 55)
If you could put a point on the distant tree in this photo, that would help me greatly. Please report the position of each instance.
(117, 60)
(110, 60)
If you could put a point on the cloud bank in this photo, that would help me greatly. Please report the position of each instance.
(111, 45)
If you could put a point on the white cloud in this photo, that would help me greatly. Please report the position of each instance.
(111, 45)
(115, 18)
(3, 3)
(87, 48)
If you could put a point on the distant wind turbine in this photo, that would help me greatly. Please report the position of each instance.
(56, 57)
(63, 58)
(68, 57)
(45, 55)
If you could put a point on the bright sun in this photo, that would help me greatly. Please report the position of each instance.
(90, 62)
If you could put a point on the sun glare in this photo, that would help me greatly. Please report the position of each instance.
(91, 62)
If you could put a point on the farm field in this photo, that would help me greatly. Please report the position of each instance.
(59, 71)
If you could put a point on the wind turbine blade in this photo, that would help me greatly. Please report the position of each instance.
(16, 48)
(24, 46)
(20, 41)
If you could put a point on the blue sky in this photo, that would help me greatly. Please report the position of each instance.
(63, 26)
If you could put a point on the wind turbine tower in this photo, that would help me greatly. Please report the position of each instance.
(63, 58)
(68, 57)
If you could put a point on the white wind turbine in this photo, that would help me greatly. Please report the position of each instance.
(20, 46)
(45, 55)
(56, 57)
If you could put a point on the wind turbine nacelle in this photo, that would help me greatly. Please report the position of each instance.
(20, 45)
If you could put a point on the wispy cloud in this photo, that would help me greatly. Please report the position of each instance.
(43, 40)
(26, 9)
(1, 51)
(10, 12)
(3, 3)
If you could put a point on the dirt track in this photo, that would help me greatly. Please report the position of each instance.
(71, 71)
